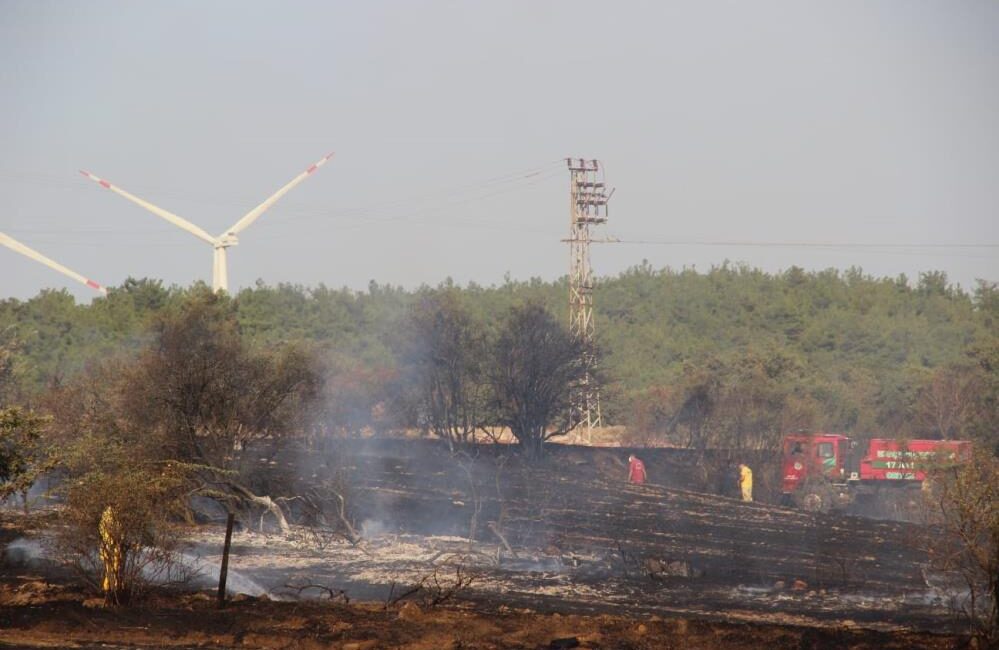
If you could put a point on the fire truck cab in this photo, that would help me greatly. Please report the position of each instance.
(814, 455)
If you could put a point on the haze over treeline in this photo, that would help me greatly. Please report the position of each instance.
(733, 356)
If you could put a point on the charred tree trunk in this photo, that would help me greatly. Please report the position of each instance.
(224, 570)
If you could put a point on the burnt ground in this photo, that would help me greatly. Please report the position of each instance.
(564, 548)
(194, 622)
(650, 548)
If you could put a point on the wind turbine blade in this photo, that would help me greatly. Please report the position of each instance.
(160, 212)
(17, 246)
(253, 214)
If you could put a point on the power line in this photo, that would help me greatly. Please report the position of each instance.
(458, 195)
(367, 215)
(776, 244)
(497, 184)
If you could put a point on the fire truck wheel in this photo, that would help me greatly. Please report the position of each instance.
(812, 502)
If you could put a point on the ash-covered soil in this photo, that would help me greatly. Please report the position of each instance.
(562, 548)
(571, 535)
(57, 619)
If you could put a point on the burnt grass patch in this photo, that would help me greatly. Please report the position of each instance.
(561, 548)
(573, 520)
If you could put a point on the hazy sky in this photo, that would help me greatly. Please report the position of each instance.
(749, 122)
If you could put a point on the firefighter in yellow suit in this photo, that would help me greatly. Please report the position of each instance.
(111, 555)
(746, 482)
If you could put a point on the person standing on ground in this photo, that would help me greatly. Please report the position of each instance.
(746, 482)
(636, 470)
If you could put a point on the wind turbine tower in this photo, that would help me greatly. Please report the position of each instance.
(219, 244)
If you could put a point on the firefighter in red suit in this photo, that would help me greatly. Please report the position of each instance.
(636, 470)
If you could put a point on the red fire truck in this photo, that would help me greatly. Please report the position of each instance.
(825, 470)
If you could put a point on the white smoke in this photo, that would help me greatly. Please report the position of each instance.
(184, 567)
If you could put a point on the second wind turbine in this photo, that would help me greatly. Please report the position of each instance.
(220, 272)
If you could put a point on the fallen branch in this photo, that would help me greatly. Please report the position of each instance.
(265, 502)
(496, 531)
(352, 536)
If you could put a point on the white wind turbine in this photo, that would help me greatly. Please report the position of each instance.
(15, 245)
(220, 273)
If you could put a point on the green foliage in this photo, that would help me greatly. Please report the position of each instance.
(861, 350)
(11, 368)
(195, 392)
(24, 456)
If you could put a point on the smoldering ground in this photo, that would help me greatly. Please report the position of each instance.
(568, 534)
(564, 535)
(188, 569)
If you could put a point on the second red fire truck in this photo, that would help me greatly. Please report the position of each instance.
(826, 470)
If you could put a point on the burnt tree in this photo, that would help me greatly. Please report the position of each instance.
(535, 366)
(215, 396)
(196, 396)
(964, 503)
(443, 360)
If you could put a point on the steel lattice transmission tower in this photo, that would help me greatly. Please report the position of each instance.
(588, 199)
